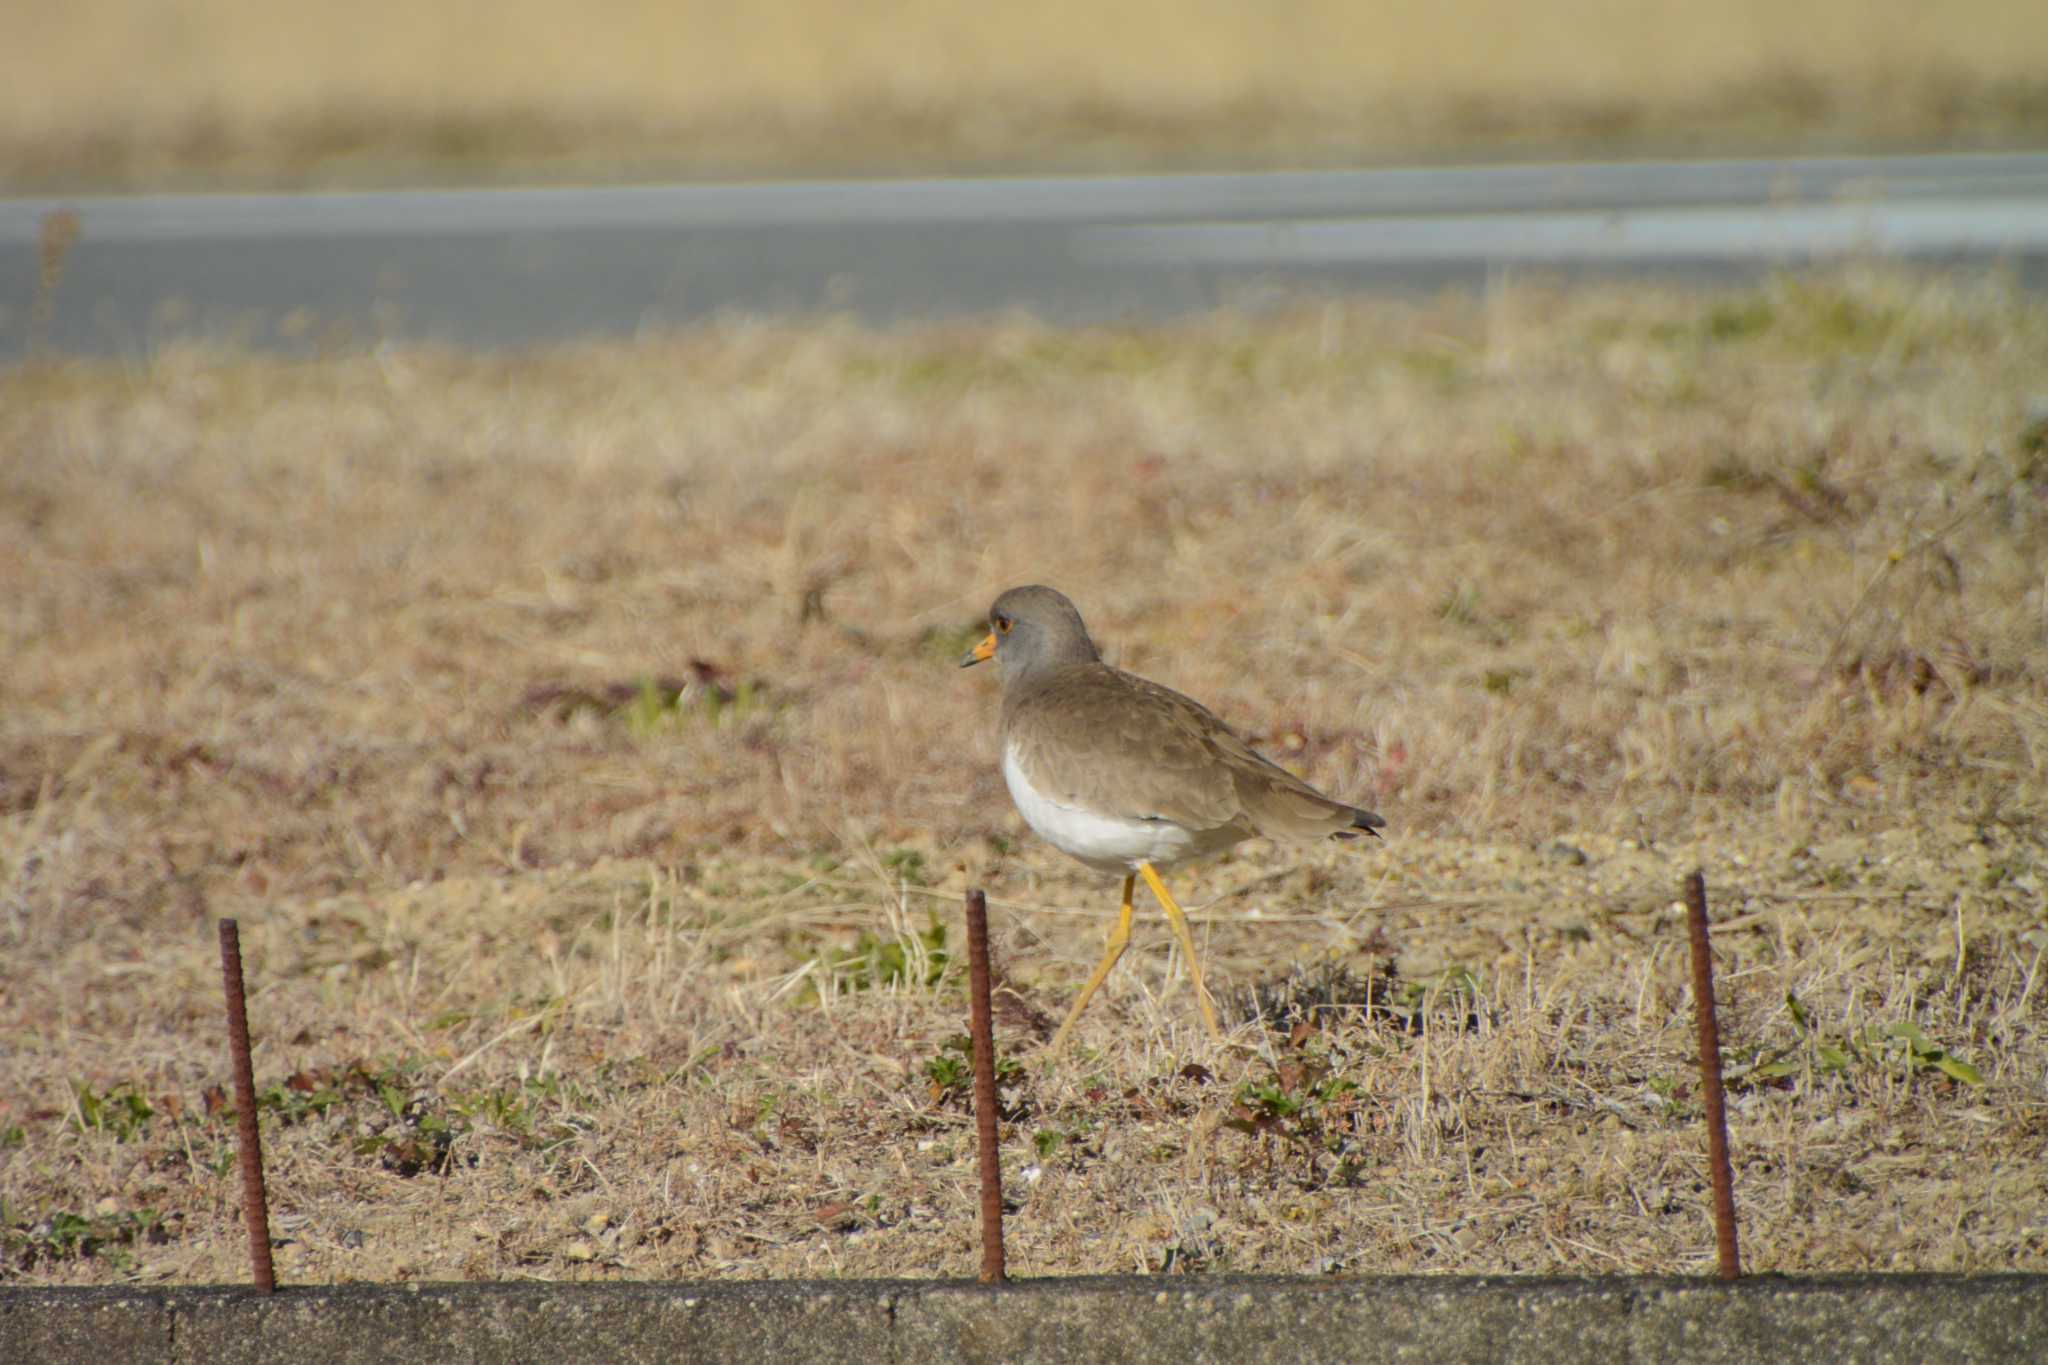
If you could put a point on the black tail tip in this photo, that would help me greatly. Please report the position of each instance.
(1364, 822)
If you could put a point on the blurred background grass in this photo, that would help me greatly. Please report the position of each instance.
(124, 93)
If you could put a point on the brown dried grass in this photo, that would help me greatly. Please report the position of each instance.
(558, 976)
(117, 92)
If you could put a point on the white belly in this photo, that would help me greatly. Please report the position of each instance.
(1109, 843)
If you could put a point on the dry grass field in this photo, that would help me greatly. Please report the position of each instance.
(119, 92)
(577, 737)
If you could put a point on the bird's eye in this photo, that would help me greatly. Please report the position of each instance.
(1003, 624)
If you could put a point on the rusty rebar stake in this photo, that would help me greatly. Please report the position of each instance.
(255, 1203)
(1710, 1076)
(981, 1031)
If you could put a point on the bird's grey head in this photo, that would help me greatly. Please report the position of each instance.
(1030, 629)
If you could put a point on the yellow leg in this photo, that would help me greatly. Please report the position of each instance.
(1187, 945)
(1118, 938)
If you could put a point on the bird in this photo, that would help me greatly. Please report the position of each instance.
(1128, 776)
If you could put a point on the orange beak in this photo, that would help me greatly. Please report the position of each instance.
(985, 650)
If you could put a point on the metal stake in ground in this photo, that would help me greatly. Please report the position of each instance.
(981, 1032)
(1710, 1076)
(255, 1204)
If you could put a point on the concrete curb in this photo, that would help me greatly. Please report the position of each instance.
(1905, 1318)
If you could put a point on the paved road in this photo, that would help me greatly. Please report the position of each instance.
(506, 267)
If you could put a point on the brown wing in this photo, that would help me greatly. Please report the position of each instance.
(1129, 747)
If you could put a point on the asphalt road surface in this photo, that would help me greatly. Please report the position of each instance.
(512, 267)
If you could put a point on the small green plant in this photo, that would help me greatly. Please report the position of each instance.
(950, 1073)
(121, 1113)
(1738, 321)
(1902, 1046)
(1500, 682)
(874, 962)
(297, 1098)
(1906, 1041)
(421, 1140)
(68, 1236)
(508, 1109)
(663, 707)
(1454, 989)
(408, 1128)
(1305, 1106)
(907, 864)
(653, 711)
